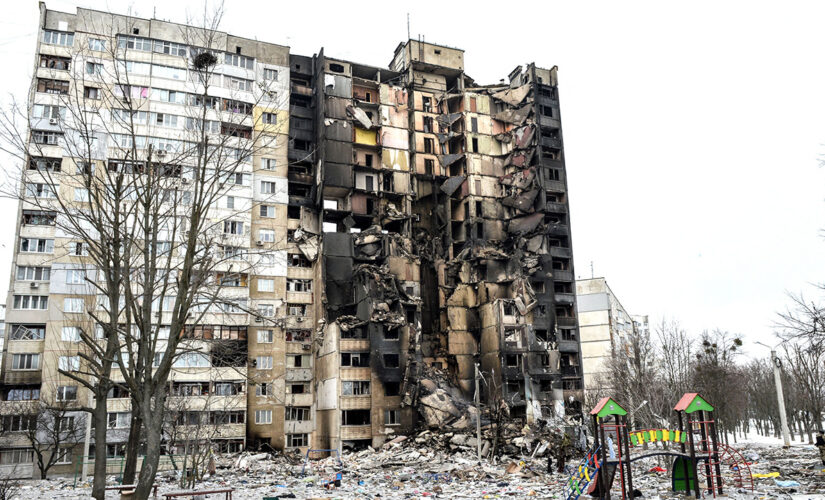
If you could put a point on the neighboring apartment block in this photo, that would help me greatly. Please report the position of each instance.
(401, 220)
(603, 325)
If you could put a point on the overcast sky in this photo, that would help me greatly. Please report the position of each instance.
(692, 131)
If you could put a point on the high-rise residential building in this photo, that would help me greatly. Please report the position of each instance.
(604, 325)
(402, 220)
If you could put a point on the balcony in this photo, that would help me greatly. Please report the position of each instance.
(555, 207)
(559, 275)
(356, 402)
(570, 371)
(299, 89)
(551, 142)
(356, 432)
(298, 374)
(566, 321)
(298, 399)
(565, 298)
(568, 346)
(300, 178)
(561, 252)
(558, 229)
(546, 121)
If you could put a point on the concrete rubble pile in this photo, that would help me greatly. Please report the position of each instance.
(451, 424)
(442, 465)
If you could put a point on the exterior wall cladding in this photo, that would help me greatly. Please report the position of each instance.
(426, 221)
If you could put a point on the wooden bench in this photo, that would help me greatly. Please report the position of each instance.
(193, 493)
(126, 487)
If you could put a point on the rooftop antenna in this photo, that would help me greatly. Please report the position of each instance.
(408, 25)
(591, 270)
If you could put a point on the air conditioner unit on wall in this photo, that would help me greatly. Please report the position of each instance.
(259, 243)
(52, 121)
(35, 285)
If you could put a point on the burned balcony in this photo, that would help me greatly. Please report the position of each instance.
(300, 106)
(300, 194)
(557, 228)
(300, 173)
(555, 207)
(337, 180)
(570, 371)
(300, 150)
(552, 141)
(514, 338)
(566, 321)
(300, 128)
(512, 365)
(300, 87)
(565, 298)
(560, 251)
(563, 275)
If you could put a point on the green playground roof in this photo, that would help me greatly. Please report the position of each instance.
(692, 402)
(607, 406)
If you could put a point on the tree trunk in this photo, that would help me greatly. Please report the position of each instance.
(101, 425)
(150, 462)
(152, 409)
(133, 445)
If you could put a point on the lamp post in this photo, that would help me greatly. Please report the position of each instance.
(777, 379)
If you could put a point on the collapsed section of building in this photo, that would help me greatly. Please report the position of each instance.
(446, 244)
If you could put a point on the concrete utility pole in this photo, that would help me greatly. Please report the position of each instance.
(478, 414)
(84, 461)
(780, 396)
(777, 378)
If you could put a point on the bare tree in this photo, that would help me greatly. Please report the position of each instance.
(53, 432)
(716, 374)
(199, 414)
(675, 350)
(801, 327)
(802, 319)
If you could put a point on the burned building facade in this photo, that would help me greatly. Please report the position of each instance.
(445, 241)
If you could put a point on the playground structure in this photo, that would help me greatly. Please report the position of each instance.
(699, 452)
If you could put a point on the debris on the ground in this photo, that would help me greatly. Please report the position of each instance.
(445, 465)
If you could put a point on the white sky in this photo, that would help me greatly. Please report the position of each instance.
(692, 130)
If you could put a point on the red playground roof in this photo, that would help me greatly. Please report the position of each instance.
(685, 401)
(692, 402)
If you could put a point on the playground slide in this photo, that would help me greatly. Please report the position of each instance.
(595, 489)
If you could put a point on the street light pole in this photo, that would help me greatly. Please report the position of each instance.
(783, 419)
(780, 395)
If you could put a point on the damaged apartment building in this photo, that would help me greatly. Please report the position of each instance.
(407, 220)
(445, 240)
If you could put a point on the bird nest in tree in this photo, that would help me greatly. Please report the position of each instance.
(204, 60)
